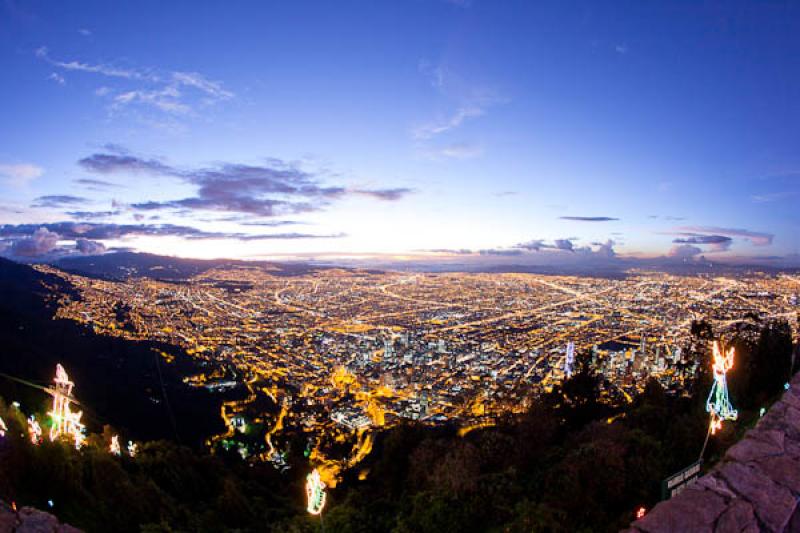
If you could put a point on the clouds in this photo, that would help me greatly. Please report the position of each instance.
(166, 99)
(507, 252)
(564, 245)
(755, 238)
(719, 243)
(535, 246)
(92, 215)
(459, 150)
(103, 231)
(268, 190)
(606, 248)
(38, 240)
(97, 184)
(589, 219)
(104, 163)
(212, 89)
(20, 174)
(464, 102)
(175, 93)
(106, 70)
(773, 197)
(691, 241)
(87, 247)
(447, 123)
(388, 195)
(684, 251)
(666, 217)
(59, 200)
(41, 241)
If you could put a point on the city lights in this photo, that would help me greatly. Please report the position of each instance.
(315, 493)
(460, 349)
(718, 404)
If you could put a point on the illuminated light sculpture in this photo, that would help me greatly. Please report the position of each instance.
(132, 448)
(718, 404)
(34, 431)
(65, 422)
(114, 448)
(640, 512)
(315, 491)
(3, 428)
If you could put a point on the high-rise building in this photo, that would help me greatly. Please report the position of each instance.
(388, 349)
(569, 360)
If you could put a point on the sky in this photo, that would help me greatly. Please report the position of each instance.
(428, 130)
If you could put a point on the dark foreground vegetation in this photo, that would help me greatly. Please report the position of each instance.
(569, 464)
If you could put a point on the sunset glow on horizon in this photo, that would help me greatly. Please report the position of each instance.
(430, 131)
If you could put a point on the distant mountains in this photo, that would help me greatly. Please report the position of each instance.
(122, 265)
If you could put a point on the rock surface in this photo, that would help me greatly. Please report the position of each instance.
(755, 488)
(30, 520)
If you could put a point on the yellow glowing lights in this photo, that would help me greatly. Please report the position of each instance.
(34, 431)
(315, 492)
(65, 422)
(114, 447)
(640, 512)
(3, 428)
(718, 404)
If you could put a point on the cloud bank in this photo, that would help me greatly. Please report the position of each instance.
(272, 189)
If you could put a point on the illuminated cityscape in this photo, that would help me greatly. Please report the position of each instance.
(339, 354)
(407, 266)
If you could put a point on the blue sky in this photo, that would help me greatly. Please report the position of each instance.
(477, 130)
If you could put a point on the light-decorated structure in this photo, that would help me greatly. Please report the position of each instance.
(315, 493)
(718, 405)
(34, 430)
(114, 447)
(65, 421)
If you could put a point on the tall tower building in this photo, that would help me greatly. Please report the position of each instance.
(569, 360)
(388, 349)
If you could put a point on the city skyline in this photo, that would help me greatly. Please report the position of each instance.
(456, 132)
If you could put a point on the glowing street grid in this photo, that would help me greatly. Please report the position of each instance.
(337, 354)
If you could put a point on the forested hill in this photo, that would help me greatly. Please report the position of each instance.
(117, 381)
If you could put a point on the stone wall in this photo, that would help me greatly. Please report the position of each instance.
(30, 520)
(756, 487)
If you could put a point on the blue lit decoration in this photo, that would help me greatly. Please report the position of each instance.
(718, 404)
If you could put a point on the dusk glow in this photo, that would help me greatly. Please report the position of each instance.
(400, 266)
(428, 130)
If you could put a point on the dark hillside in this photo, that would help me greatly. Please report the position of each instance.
(117, 380)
